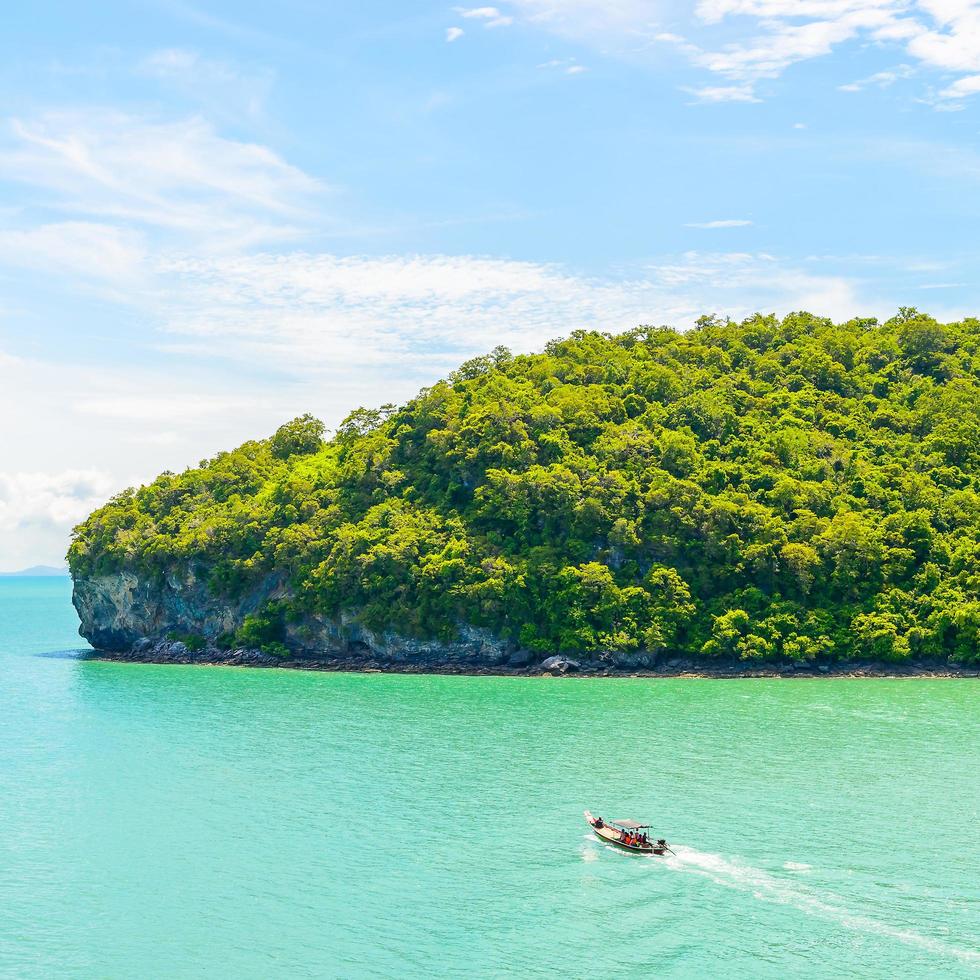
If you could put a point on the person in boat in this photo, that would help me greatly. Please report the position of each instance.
(598, 823)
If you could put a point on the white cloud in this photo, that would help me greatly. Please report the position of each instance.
(322, 316)
(453, 34)
(86, 249)
(491, 16)
(954, 42)
(594, 20)
(723, 223)
(880, 79)
(962, 88)
(941, 34)
(50, 498)
(723, 93)
(179, 177)
(79, 431)
(161, 407)
(766, 37)
(37, 510)
(567, 66)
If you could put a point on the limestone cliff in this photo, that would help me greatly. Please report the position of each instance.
(124, 614)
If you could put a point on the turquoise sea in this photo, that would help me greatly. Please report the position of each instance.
(222, 822)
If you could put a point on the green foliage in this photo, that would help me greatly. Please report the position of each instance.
(769, 490)
(264, 631)
(300, 437)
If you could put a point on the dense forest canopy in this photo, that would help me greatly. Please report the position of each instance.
(773, 489)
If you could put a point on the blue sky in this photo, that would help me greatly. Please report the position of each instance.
(214, 216)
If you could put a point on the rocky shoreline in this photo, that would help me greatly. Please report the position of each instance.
(177, 652)
(176, 620)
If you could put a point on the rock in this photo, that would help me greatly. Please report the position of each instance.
(560, 663)
(127, 614)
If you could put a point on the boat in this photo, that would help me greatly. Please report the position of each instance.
(627, 834)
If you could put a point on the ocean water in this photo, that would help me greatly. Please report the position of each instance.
(161, 821)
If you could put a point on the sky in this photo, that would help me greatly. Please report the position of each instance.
(216, 216)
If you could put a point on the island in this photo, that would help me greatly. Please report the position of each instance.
(789, 495)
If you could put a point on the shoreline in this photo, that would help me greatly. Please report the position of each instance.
(686, 669)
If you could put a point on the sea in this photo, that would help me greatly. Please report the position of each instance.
(184, 821)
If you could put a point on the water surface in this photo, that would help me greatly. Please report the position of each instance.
(208, 821)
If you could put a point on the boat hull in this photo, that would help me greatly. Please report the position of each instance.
(611, 836)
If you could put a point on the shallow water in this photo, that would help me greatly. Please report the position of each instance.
(207, 821)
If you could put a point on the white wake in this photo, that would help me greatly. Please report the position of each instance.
(782, 891)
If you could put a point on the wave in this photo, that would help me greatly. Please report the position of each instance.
(769, 888)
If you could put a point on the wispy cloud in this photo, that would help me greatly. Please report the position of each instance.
(225, 90)
(723, 93)
(880, 79)
(322, 315)
(595, 21)
(491, 16)
(235, 30)
(766, 37)
(91, 251)
(722, 223)
(179, 176)
(454, 34)
(567, 66)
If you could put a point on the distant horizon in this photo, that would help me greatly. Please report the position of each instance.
(38, 571)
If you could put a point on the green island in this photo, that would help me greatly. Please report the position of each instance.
(769, 491)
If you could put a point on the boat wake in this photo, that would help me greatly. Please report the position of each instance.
(768, 887)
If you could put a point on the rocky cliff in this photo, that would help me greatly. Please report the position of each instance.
(127, 616)
(178, 620)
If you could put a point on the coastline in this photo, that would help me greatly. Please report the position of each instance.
(565, 668)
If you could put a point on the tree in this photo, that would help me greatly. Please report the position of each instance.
(302, 436)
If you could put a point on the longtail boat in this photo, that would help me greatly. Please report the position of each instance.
(627, 834)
